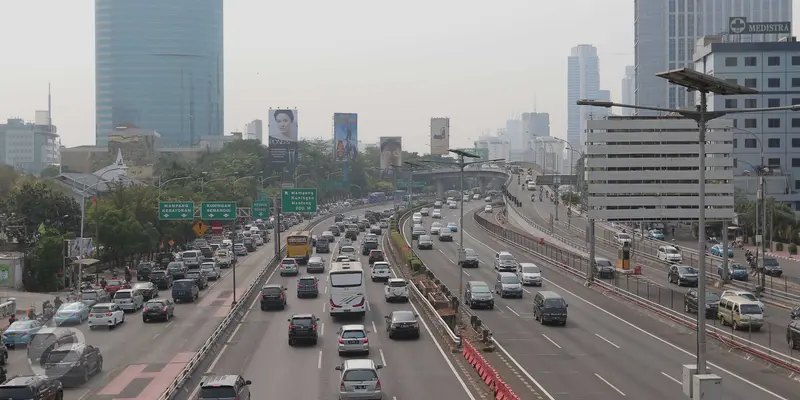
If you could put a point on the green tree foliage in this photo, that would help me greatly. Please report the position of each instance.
(32, 203)
(44, 262)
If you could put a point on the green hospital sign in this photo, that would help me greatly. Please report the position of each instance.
(299, 200)
(218, 210)
(176, 210)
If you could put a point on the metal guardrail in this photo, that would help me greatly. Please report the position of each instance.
(185, 374)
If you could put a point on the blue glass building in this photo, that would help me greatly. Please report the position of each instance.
(159, 66)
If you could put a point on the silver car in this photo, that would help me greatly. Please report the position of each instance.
(353, 339)
(288, 267)
(359, 380)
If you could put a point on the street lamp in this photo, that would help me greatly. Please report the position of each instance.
(761, 194)
(411, 167)
(161, 184)
(202, 181)
(262, 180)
(461, 164)
(96, 227)
(703, 84)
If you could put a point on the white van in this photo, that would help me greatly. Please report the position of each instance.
(740, 313)
(669, 254)
(622, 238)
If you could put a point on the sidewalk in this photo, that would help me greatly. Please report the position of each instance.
(783, 255)
(24, 300)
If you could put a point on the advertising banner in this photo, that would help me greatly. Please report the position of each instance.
(283, 138)
(76, 249)
(345, 136)
(391, 153)
(440, 136)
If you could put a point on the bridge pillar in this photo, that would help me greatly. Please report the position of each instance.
(440, 188)
(483, 183)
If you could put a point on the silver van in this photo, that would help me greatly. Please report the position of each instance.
(359, 380)
(507, 284)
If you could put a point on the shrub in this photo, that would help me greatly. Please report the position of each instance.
(778, 246)
(793, 249)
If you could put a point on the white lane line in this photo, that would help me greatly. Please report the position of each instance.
(551, 341)
(319, 360)
(253, 304)
(466, 273)
(607, 341)
(216, 360)
(168, 325)
(512, 310)
(326, 289)
(635, 327)
(323, 307)
(374, 329)
(671, 378)
(609, 384)
(235, 330)
(383, 359)
(156, 335)
(526, 291)
(322, 329)
(368, 307)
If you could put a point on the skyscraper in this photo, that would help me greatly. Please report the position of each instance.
(629, 89)
(253, 130)
(159, 66)
(583, 82)
(666, 32)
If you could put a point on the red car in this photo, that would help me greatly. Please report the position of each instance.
(116, 284)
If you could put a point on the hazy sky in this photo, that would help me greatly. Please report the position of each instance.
(396, 65)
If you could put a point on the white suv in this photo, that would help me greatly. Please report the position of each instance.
(669, 254)
(129, 299)
(380, 271)
(396, 289)
(106, 314)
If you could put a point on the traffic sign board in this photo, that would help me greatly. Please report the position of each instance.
(216, 227)
(175, 210)
(404, 184)
(260, 209)
(299, 200)
(218, 210)
(199, 228)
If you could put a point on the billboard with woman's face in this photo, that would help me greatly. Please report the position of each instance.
(391, 153)
(283, 137)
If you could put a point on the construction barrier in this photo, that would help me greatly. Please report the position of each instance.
(487, 373)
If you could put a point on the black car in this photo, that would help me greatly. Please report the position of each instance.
(161, 278)
(273, 296)
(682, 275)
(323, 246)
(603, 268)
(772, 267)
(303, 327)
(75, 362)
(690, 303)
(148, 290)
(31, 387)
(200, 278)
(793, 334)
(402, 323)
(143, 271)
(177, 269)
(158, 309)
(376, 255)
(369, 244)
(185, 289)
(376, 230)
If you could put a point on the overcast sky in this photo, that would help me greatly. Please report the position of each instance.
(395, 64)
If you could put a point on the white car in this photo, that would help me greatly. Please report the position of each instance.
(488, 209)
(106, 314)
(396, 289)
(669, 254)
(350, 252)
(465, 198)
(129, 299)
(417, 218)
(488, 199)
(380, 271)
(476, 197)
(622, 238)
(452, 205)
(529, 274)
(437, 213)
(743, 293)
(436, 227)
(211, 270)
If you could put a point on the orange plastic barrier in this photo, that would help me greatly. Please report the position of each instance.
(487, 373)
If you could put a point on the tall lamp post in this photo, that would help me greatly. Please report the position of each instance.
(162, 184)
(411, 167)
(761, 194)
(703, 84)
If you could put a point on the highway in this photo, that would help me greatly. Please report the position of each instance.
(415, 369)
(772, 335)
(606, 350)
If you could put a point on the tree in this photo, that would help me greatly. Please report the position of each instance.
(32, 203)
(41, 271)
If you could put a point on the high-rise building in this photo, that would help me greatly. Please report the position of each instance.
(583, 82)
(536, 124)
(496, 147)
(629, 89)
(159, 67)
(665, 33)
(29, 147)
(254, 131)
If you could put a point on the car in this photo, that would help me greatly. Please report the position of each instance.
(327, 235)
(416, 218)
(505, 261)
(33, 387)
(735, 271)
(402, 323)
(507, 284)
(793, 335)
(396, 289)
(350, 252)
(288, 266)
(272, 296)
(303, 327)
(376, 255)
(470, 259)
(353, 339)
(199, 277)
(530, 274)
(346, 242)
(743, 293)
(162, 279)
(380, 271)
(436, 227)
(416, 231)
(315, 264)
(488, 199)
(488, 209)
(158, 309)
(384, 224)
(91, 297)
(106, 314)
(210, 270)
(335, 230)
(239, 249)
(478, 295)
(129, 300)
(308, 286)
(549, 307)
(71, 313)
(603, 268)
(655, 234)
(476, 196)
(143, 271)
(376, 230)
(370, 242)
(191, 257)
(437, 214)
(690, 304)
(21, 332)
(323, 245)
(669, 254)
(465, 198)
(177, 269)
(622, 238)
(716, 250)
(112, 285)
(75, 362)
(452, 227)
(359, 379)
(772, 268)
(224, 258)
(424, 242)
(224, 387)
(149, 290)
(682, 275)
(452, 205)
(342, 259)
(424, 211)
(185, 289)
(445, 236)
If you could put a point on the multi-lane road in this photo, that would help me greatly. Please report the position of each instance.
(258, 350)
(606, 350)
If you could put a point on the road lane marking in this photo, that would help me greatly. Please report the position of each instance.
(512, 310)
(671, 378)
(609, 384)
(526, 291)
(607, 341)
(368, 307)
(319, 360)
(326, 289)
(156, 335)
(383, 359)
(374, 329)
(235, 330)
(169, 324)
(324, 304)
(466, 273)
(551, 341)
(322, 329)
(216, 360)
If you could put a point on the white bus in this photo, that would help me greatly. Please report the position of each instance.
(348, 293)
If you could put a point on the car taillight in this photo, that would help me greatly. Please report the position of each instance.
(366, 340)
(378, 385)
(315, 285)
(262, 297)
(333, 305)
(109, 314)
(164, 309)
(313, 326)
(281, 295)
(291, 326)
(341, 341)
(361, 303)
(25, 333)
(341, 386)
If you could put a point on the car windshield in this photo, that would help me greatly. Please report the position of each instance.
(348, 250)
(114, 283)
(289, 261)
(271, 290)
(712, 297)
(20, 326)
(397, 284)
(748, 296)
(750, 309)
(480, 289)
(359, 375)
(141, 286)
(509, 279)
(302, 321)
(670, 250)
(424, 238)
(174, 266)
(59, 356)
(353, 335)
(403, 316)
(193, 274)
(189, 254)
(470, 253)
(506, 257)
(222, 254)
(315, 260)
(122, 295)
(381, 266)
(737, 267)
(100, 309)
(603, 263)
(687, 270)
(306, 281)
(623, 236)
(217, 392)
(436, 225)
(154, 305)
(89, 295)
(555, 303)
(770, 262)
(531, 269)
(182, 285)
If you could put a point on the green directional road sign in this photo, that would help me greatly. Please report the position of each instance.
(218, 210)
(404, 184)
(175, 210)
(262, 195)
(299, 200)
(260, 209)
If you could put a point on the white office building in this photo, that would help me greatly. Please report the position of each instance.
(772, 68)
(628, 89)
(29, 147)
(665, 32)
(549, 153)
(254, 131)
(497, 147)
(647, 169)
(583, 82)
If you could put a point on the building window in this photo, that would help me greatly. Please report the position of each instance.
(795, 101)
(796, 163)
(773, 162)
(773, 102)
(795, 124)
(774, 82)
(750, 62)
(795, 60)
(730, 103)
(732, 80)
(774, 123)
(750, 123)
(750, 143)
(795, 142)
(774, 143)
(735, 143)
(730, 61)
(773, 61)
(795, 82)
(751, 82)
(735, 123)
(750, 103)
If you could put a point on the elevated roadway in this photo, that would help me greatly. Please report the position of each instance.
(415, 369)
(607, 349)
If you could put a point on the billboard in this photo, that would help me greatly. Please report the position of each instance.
(391, 153)
(440, 135)
(283, 137)
(345, 136)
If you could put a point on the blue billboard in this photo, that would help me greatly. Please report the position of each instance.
(345, 136)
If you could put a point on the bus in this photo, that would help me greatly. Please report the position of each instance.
(348, 290)
(298, 246)
(377, 197)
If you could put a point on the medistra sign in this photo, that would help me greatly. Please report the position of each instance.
(740, 26)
